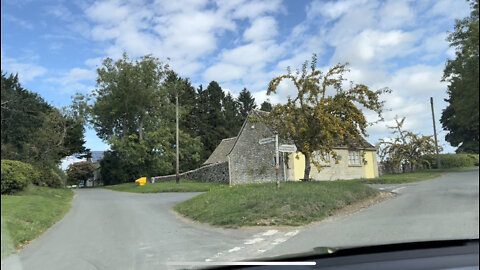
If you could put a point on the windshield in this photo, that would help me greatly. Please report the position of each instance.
(173, 134)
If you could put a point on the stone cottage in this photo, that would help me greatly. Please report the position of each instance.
(242, 159)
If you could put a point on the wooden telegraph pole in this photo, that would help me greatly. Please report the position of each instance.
(177, 175)
(435, 135)
(277, 162)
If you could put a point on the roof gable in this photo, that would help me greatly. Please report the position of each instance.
(220, 153)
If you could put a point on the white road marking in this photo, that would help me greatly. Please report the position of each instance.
(292, 233)
(270, 232)
(234, 249)
(262, 250)
(208, 260)
(397, 189)
(253, 241)
(278, 241)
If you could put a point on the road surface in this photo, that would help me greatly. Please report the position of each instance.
(115, 230)
(442, 208)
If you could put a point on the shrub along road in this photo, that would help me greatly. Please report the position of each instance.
(116, 230)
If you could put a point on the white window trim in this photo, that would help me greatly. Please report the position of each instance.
(357, 162)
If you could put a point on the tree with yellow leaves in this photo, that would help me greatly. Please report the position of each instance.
(325, 113)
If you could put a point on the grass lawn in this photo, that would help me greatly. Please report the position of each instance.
(27, 214)
(171, 186)
(411, 177)
(261, 204)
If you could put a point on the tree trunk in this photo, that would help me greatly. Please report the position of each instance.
(306, 174)
(140, 129)
(124, 127)
(85, 183)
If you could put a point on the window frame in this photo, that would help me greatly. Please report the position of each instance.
(354, 158)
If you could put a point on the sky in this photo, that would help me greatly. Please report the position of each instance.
(56, 46)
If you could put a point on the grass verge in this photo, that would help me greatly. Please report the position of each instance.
(262, 205)
(403, 178)
(171, 186)
(25, 215)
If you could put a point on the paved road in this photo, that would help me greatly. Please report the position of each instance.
(113, 230)
(442, 208)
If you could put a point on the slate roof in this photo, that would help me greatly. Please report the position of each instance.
(220, 153)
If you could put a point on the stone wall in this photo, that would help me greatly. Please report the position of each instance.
(210, 173)
(251, 162)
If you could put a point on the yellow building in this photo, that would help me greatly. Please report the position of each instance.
(352, 163)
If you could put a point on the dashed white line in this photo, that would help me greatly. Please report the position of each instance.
(253, 241)
(234, 249)
(292, 233)
(270, 232)
(278, 241)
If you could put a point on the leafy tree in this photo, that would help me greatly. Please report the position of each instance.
(408, 151)
(211, 121)
(80, 171)
(231, 114)
(317, 120)
(460, 117)
(247, 103)
(23, 113)
(266, 106)
(134, 111)
(127, 96)
(34, 131)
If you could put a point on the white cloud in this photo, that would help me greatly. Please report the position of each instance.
(263, 28)
(254, 9)
(450, 9)
(94, 62)
(331, 10)
(396, 14)
(374, 45)
(26, 69)
(224, 72)
(419, 81)
(76, 79)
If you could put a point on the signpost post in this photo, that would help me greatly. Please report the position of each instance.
(277, 163)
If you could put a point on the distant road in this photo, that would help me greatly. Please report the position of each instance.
(116, 230)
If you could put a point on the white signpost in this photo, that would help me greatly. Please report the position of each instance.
(266, 140)
(288, 148)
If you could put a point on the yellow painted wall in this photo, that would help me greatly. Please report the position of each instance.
(298, 165)
(370, 166)
(340, 170)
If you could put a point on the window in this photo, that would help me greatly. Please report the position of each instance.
(354, 158)
(323, 162)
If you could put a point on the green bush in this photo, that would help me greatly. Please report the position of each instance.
(16, 176)
(454, 160)
(51, 178)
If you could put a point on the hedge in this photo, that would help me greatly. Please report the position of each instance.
(51, 178)
(16, 176)
(454, 160)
